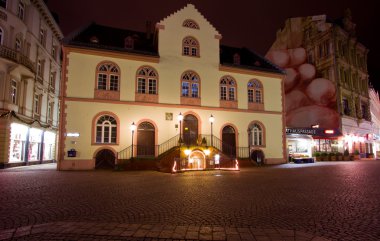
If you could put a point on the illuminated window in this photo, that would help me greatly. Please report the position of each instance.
(190, 47)
(106, 129)
(190, 24)
(147, 79)
(190, 84)
(256, 134)
(108, 75)
(227, 88)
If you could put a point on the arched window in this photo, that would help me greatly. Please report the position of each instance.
(106, 129)
(147, 80)
(227, 88)
(190, 84)
(256, 134)
(190, 46)
(255, 91)
(108, 76)
(190, 24)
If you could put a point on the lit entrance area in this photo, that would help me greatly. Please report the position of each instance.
(196, 160)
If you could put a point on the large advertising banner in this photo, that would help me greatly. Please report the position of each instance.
(309, 99)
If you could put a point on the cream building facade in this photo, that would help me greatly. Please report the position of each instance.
(30, 71)
(182, 91)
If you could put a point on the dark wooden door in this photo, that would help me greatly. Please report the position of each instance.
(105, 159)
(145, 139)
(190, 130)
(229, 141)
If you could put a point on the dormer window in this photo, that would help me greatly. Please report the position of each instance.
(128, 42)
(94, 40)
(237, 58)
(190, 24)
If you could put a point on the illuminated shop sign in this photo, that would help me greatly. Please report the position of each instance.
(314, 132)
(305, 131)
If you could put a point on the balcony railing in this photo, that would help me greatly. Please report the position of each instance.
(17, 57)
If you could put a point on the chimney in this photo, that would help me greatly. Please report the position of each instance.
(148, 29)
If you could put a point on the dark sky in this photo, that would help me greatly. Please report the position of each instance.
(242, 23)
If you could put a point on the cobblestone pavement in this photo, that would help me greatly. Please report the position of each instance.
(319, 201)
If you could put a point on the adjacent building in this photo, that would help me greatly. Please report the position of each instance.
(172, 97)
(30, 69)
(326, 88)
(375, 117)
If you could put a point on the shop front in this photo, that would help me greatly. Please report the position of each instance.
(29, 144)
(304, 143)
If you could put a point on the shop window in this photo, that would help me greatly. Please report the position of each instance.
(106, 130)
(49, 145)
(35, 137)
(190, 24)
(190, 47)
(17, 142)
(21, 10)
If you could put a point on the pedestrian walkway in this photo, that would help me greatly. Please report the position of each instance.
(121, 231)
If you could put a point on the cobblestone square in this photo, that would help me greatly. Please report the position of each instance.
(319, 201)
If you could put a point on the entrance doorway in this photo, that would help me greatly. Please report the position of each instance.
(229, 141)
(145, 139)
(105, 159)
(258, 157)
(190, 130)
(197, 160)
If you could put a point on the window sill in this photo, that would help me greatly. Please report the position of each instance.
(255, 106)
(107, 95)
(152, 98)
(190, 101)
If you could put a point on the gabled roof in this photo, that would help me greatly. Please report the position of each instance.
(110, 38)
(248, 60)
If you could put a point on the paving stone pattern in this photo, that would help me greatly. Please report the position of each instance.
(320, 201)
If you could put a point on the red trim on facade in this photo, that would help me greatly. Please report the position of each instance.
(180, 106)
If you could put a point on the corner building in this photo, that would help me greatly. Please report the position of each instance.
(30, 70)
(328, 88)
(170, 98)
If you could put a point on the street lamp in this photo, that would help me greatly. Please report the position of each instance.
(133, 128)
(180, 118)
(211, 119)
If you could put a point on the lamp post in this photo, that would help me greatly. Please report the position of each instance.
(211, 119)
(180, 118)
(133, 128)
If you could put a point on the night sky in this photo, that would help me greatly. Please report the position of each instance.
(242, 23)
